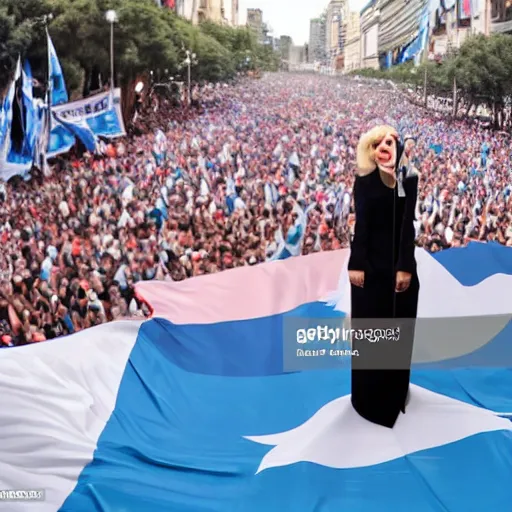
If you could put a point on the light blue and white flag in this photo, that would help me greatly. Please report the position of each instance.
(271, 194)
(199, 408)
(43, 137)
(7, 120)
(31, 122)
(58, 92)
(292, 245)
(80, 129)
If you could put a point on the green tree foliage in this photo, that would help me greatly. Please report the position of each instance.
(147, 38)
(21, 32)
(246, 52)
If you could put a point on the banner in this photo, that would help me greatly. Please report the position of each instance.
(102, 112)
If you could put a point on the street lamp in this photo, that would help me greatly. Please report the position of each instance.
(191, 59)
(111, 17)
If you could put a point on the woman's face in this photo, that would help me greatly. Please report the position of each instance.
(385, 153)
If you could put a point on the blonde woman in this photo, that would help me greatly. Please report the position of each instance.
(383, 276)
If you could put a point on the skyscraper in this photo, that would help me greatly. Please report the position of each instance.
(317, 40)
(255, 23)
(335, 23)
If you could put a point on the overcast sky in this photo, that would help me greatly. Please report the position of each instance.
(291, 17)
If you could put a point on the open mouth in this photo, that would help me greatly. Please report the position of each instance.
(383, 155)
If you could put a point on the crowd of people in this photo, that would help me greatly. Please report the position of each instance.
(191, 191)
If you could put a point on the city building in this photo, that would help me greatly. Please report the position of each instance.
(449, 28)
(399, 27)
(369, 22)
(211, 10)
(231, 12)
(317, 38)
(352, 46)
(298, 55)
(255, 23)
(285, 46)
(185, 8)
(334, 28)
(197, 11)
(498, 13)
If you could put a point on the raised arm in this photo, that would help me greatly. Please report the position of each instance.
(406, 260)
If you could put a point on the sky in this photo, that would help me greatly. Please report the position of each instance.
(291, 17)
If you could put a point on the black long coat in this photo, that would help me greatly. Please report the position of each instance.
(383, 244)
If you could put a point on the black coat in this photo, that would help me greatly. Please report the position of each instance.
(383, 244)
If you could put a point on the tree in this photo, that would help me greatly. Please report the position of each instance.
(21, 32)
(147, 38)
(482, 69)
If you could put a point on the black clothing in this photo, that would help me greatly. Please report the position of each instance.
(383, 245)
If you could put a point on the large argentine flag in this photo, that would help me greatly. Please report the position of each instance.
(191, 411)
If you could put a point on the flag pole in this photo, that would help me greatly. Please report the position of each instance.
(48, 96)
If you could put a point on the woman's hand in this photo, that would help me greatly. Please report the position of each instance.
(356, 278)
(403, 280)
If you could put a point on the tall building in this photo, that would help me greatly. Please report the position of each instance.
(285, 46)
(298, 55)
(317, 38)
(334, 28)
(399, 27)
(449, 28)
(185, 8)
(197, 11)
(211, 10)
(370, 35)
(231, 12)
(255, 23)
(497, 13)
(352, 46)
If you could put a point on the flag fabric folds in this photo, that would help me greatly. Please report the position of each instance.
(7, 115)
(194, 411)
(292, 244)
(80, 129)
(44, 129)
(31, 125)
(58, 92)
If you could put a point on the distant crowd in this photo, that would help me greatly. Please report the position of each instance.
(223, 184)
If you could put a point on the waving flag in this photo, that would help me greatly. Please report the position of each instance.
(58, 92)
(292, 245)
(7, 114)
(42, 141)
(31, 124)
(80, 129)
(194, 411)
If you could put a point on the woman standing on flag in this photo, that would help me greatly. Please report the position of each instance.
(383, 276)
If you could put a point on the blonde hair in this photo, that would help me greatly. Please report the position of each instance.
(365, 154)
